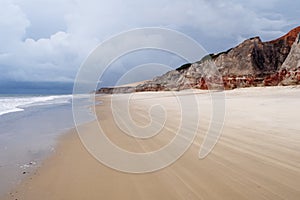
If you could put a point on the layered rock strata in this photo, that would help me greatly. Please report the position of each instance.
(252, 63)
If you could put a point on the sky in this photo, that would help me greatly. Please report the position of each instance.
(47, 40)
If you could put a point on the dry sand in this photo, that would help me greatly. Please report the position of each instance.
(257, 156)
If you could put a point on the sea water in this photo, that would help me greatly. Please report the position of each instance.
(29, 128)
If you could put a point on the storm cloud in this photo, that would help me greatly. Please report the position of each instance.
(47, 40)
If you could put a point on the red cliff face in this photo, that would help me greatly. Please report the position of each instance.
(288, 38)
(252, 63)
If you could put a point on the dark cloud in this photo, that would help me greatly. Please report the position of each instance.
(48, 40)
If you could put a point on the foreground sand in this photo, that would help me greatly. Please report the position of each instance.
(257, 156)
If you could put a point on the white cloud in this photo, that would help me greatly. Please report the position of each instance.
(48, 40)
(13, 23)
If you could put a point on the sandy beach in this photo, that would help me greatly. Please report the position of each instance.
(256, 157)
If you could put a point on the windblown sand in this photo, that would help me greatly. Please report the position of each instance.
(256, 157)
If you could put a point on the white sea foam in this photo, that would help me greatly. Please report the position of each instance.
(17, 104)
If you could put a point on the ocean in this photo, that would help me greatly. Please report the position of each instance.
(29, 128)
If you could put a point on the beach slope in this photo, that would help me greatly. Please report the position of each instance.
(256, 157)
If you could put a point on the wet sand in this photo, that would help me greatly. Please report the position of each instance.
(256, 157)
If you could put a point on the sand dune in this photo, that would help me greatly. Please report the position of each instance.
(256, 157)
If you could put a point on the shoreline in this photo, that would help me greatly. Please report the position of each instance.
(28, 136)
(64, 136)
(33, 167)
(256, 156)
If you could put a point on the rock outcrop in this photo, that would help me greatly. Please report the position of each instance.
(252, 63)
(293, 59)
(292, 65)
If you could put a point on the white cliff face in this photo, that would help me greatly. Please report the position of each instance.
(238, 61)
(293, 59)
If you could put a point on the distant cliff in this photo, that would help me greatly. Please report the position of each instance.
(252, 63)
